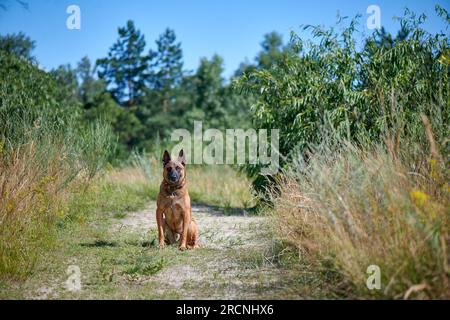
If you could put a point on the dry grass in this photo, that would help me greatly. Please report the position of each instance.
(41, 164)
(31, 197)
(353, 208)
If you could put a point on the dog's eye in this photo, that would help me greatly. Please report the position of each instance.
(178, 168)
(169, 169)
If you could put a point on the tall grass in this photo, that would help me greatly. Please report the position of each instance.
(39, 161)
(384, 204)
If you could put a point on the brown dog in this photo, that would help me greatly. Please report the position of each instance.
(173, 212)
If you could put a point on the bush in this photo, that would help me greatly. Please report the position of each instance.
(43, 149)
(358, 92)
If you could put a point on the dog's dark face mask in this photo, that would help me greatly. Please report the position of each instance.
(174, 169)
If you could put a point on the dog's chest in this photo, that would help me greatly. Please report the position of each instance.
(173, 212)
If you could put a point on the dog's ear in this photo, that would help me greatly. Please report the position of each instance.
(166, 157)
(182, 158)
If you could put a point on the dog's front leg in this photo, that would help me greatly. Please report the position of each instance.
(160, 223)
(186, 223)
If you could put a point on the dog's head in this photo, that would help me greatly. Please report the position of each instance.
(174, 170)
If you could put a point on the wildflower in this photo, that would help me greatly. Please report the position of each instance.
(419, 197)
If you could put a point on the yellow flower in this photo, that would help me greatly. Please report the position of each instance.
(10, 206)
(419, 197)
(434, 169)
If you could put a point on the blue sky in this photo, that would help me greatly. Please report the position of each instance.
(230, 28)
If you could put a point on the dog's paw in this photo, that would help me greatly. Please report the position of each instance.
(183, 248)
(161, 245)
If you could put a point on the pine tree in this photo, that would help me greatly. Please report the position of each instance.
(209, 85)
(126, 68)
(272, 50)
(168, 66)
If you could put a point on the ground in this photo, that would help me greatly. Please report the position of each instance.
(118, 258)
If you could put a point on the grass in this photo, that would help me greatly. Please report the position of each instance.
(346, 209)
(121, 263)
(41, 160)
(352, 207)
(31, 200)
(35, 202)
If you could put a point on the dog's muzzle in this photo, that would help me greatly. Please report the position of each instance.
(173, 176)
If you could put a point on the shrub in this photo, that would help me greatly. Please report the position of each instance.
(359, 92)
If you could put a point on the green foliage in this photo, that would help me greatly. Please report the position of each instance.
(272, 51)
(19, 45)
(125, 67)
(167, 71)
(16, 76)
(45, 147)
(67, 93)
(169, 97)
(89, 88)
(99, 105)
(357, 93)
(208, 85)
(32, 109)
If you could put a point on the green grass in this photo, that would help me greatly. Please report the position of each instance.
(128, 265)
(44, 152)
(118, 191)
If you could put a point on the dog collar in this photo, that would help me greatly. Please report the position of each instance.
(172, 189)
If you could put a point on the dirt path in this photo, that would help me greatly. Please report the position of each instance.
(217, 230)
(118, 259)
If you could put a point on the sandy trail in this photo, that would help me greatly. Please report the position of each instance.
(236, 260)
(216, 229)
(217, 273)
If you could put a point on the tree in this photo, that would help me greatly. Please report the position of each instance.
(19, 45)
(98, 105)
(384, 39)
(244, 67)
(125, 68)
(90, 87)
(272, 50)
(67, 89)
(168, 66)
(209, 88)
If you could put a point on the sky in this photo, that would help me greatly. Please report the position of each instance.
(233, 29)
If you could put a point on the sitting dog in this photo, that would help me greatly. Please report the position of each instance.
(173, 212)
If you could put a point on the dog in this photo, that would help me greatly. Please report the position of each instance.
(173, 212)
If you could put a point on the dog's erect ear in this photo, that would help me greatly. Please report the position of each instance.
(166, 157)
(182, 158)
